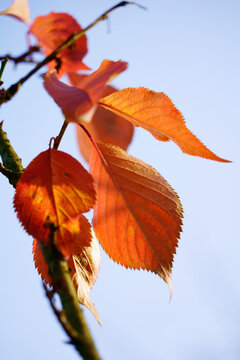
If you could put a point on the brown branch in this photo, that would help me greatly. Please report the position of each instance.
(9, 93)
(23, 57)
(3, 65)
(60, 135)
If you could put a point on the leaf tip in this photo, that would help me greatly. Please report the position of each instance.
(19, 9)
(166, 275)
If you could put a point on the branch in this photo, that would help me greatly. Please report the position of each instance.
(8, 94)
(12, 176)
(12, 165)
(60, 135)
(59, 313)
(71, 317)
(3, 64)
(23, 57)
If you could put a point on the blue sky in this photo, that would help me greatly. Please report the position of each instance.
(190, 51)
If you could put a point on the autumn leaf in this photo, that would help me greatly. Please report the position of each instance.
(105, 126)
(40, 263)
(84, 268)
(19, 10)
(79, 103)
(137, 216)
(55, 188)
(51, 31)
(156, 113)
(86, 271)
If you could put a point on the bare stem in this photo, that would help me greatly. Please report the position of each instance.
(22, 58)
(3, 64)
(8, 94)
(60, 135)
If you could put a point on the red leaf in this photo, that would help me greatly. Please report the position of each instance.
(156, 113)
(105, 126)
(40, 263)
(56, 188)
(137, 216)
(52, 30)
(19, 10)
(79, 103)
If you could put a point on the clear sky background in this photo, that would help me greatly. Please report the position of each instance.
(189, 50)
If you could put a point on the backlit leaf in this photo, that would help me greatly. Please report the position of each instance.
(156, 113)
(137, 216)
(40, 263)
(52, 30)
(86, 271)
(79, 103)
(56, 188)
(83, 268)
(19, 9)
(105, 126)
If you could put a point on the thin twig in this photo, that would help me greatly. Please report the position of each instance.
(23, 57)
(60, 135)
(3, 64)
(8, 94)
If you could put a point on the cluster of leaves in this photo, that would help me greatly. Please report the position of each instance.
(137, 215)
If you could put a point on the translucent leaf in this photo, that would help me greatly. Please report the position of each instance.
(52, 30)
(156, 113)
(83, 268)
(79, 103)
(105, 126)
(137, 216)
(19, 10)
(56, 188)
(86, 271)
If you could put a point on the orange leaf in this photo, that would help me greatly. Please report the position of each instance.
(156, 113)
(19, 9)
(105, 126)
(84, 268)
(56, 188)
(137, 216)
(40, 263)
(79, 103)
(52, 30)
